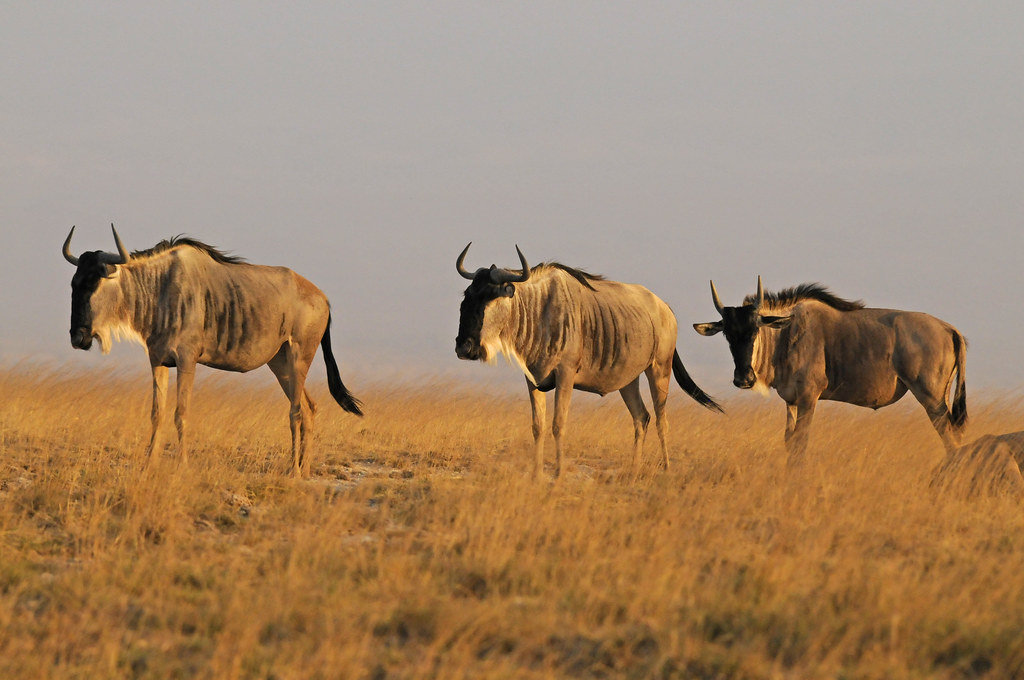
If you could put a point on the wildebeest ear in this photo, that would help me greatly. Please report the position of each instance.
(709, 328)
(775, 321)
(508, 290)
(109, 269)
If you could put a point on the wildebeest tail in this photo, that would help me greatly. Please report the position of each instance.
(338, 390)
(958, 412)
(690, 387)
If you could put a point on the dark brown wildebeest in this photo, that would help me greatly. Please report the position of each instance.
(809, 344)
(566, 330)
(188, 303)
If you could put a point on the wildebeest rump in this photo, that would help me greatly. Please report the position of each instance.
(188, 303)
(567, 330)
(809, 344)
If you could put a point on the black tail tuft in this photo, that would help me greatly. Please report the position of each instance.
(958, 412)
(338, 390)
(690, 387)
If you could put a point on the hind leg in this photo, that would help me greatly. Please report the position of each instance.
(929, 376)
(631, 395)
(659, 378)
(951, 437)
(290, 369)
(934, 403)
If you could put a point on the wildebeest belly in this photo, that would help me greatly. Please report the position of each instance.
(245, 354)
(599, 382)
(241, 332)
(873, 390)
(859, 367)
(609, 378)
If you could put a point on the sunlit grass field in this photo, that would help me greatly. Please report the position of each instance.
(420, 548)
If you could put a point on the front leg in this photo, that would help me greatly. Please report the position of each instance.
(798, 424)
(160, 378)
(186, 377)
(538, 405)
(564, 381)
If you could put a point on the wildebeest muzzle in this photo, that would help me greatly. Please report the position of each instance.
(744, 379)
(467, 349)
(81, 338)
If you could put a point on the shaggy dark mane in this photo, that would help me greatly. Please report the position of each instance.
(583, 277)
(805, 291)
(180, 240)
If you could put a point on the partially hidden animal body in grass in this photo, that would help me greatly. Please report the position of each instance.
(808, 344)
(567, 330)
(188, 303)
(989, 463)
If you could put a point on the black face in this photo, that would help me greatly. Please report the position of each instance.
(83, 284)
(740, 325)
(471, 314)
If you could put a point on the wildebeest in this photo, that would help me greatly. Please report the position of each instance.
(566, 330)
(809, 344)
(989, 463)
(188, 303)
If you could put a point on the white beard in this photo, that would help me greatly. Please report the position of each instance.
(116, 332)
(493, 344)
(759, 384)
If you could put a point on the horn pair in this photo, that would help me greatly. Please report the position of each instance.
(718, 302)
(498, 276)
(121, 257)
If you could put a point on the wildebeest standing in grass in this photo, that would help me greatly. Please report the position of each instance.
(809, 344)
(188, 303)
(566, 330)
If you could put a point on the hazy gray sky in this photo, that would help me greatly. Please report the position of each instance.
(876, 147)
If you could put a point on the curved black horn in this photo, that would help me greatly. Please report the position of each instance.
(760, 294)
(714, 298)
(67, 249)
(122, 256)
(458, 263)
(500, 276)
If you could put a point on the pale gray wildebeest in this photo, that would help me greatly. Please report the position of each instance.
(809, 344)
(990, 463)
(188, 303)
(566, 330)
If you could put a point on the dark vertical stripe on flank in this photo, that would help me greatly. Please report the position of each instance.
(229, 342)
(614, 341)
(209, 312)
(565, 328)
(222, 323)
(251, 324)
(140, 311)
(607, 324)
(237, 316)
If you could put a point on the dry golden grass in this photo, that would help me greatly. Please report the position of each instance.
(420, 548)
